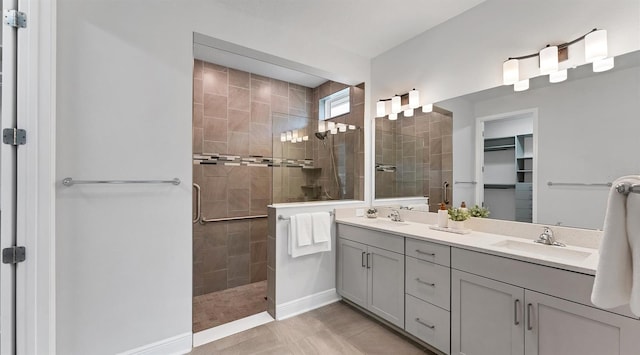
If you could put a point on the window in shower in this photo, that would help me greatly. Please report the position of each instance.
(334, 105)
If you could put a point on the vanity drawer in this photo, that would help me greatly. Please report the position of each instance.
(423, 250)
(377, 239)
(427, 323)
(428, 281)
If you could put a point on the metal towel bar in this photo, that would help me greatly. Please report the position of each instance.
(579, 184)
(626, 189)
(70, 182)
(283, 218)
(466, 182)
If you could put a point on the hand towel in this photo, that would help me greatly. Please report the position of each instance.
(617, 280)
(321, 225)
(292, 244)
(303, 228)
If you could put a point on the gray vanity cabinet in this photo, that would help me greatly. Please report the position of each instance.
(371, 272)
(503, 318)
(486, 316)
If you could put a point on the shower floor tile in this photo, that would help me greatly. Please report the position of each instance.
(216, 308)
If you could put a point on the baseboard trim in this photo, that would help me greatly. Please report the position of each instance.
(305, 304)
(224, 330)
(177, 345)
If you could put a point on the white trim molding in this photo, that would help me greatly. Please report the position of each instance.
(306, 304)
(177, 345)
(225, 330)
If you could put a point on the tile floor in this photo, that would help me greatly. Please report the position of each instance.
(334, 329)
(213, 309)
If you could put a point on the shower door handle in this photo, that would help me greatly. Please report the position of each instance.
(445, 185)
(197, 188)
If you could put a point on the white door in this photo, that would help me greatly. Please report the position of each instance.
(8, 184)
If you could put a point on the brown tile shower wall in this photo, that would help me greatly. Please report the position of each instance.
(232, 113)
(421, 149)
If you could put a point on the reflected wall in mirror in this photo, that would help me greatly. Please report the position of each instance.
(414, 156)
(587, 133)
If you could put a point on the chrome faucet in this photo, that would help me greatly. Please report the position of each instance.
(547, 238)
(395, 216)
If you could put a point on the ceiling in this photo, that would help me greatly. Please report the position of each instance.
(371, 27)
(367, 28)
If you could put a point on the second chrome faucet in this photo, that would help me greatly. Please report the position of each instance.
(547, 238)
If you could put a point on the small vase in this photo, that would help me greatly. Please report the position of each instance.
(456, 224)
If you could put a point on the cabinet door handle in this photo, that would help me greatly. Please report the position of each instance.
(516, 306)
(430, 326)
(425, 282)
(529, 307)
(368, 266)
(425, 252)
(362, 258)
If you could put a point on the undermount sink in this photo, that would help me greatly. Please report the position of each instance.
(556, 252)
(388, 223)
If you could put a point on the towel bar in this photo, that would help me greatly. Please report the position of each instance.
(578, 184)
(282, 218)
(70, 182)
(626, 189)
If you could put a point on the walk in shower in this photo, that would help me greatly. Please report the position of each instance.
(243, 162)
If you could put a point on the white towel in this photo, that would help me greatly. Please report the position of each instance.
(617, 279)
(303, 228)
(296, 250)
(321, 222)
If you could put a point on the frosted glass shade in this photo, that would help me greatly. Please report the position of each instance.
(603, 65)
(395, 104)
(321, 126)
(380, 109)
(331, 125)
(289, 136)
(560, 75)
(334, 131)
(342, 127)
(408, 112)
(283, 137)
(414, 99)
(352, 127)
(595, 46)
(549, 60)
(427, 108)
(305, 138)
(393, 116)
(510, 72)
(521, 85)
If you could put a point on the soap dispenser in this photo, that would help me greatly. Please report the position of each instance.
(463, 207)
(443, 216)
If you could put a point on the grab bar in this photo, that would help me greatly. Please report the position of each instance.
(445, 185)
(70, 182)
(197, 187)
(465, 182)
(225, 219)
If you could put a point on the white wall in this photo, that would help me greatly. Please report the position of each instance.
(465, 54)
(124, 112)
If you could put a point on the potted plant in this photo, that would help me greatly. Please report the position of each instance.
(480, 212)
(372, 213)
(457, 217)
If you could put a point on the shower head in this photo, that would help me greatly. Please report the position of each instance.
(321, 135)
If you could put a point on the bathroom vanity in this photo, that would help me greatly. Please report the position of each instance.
(478, 293)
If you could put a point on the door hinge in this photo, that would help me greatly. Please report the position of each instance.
(15, 18)
(14, 136)
(13, 255)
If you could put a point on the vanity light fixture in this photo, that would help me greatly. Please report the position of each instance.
(408, 112)
(550, 57)
(427, 108)
(411, 98)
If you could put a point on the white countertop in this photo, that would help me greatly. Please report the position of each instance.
(510, 247)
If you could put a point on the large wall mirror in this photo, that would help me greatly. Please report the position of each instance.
(584, 134)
